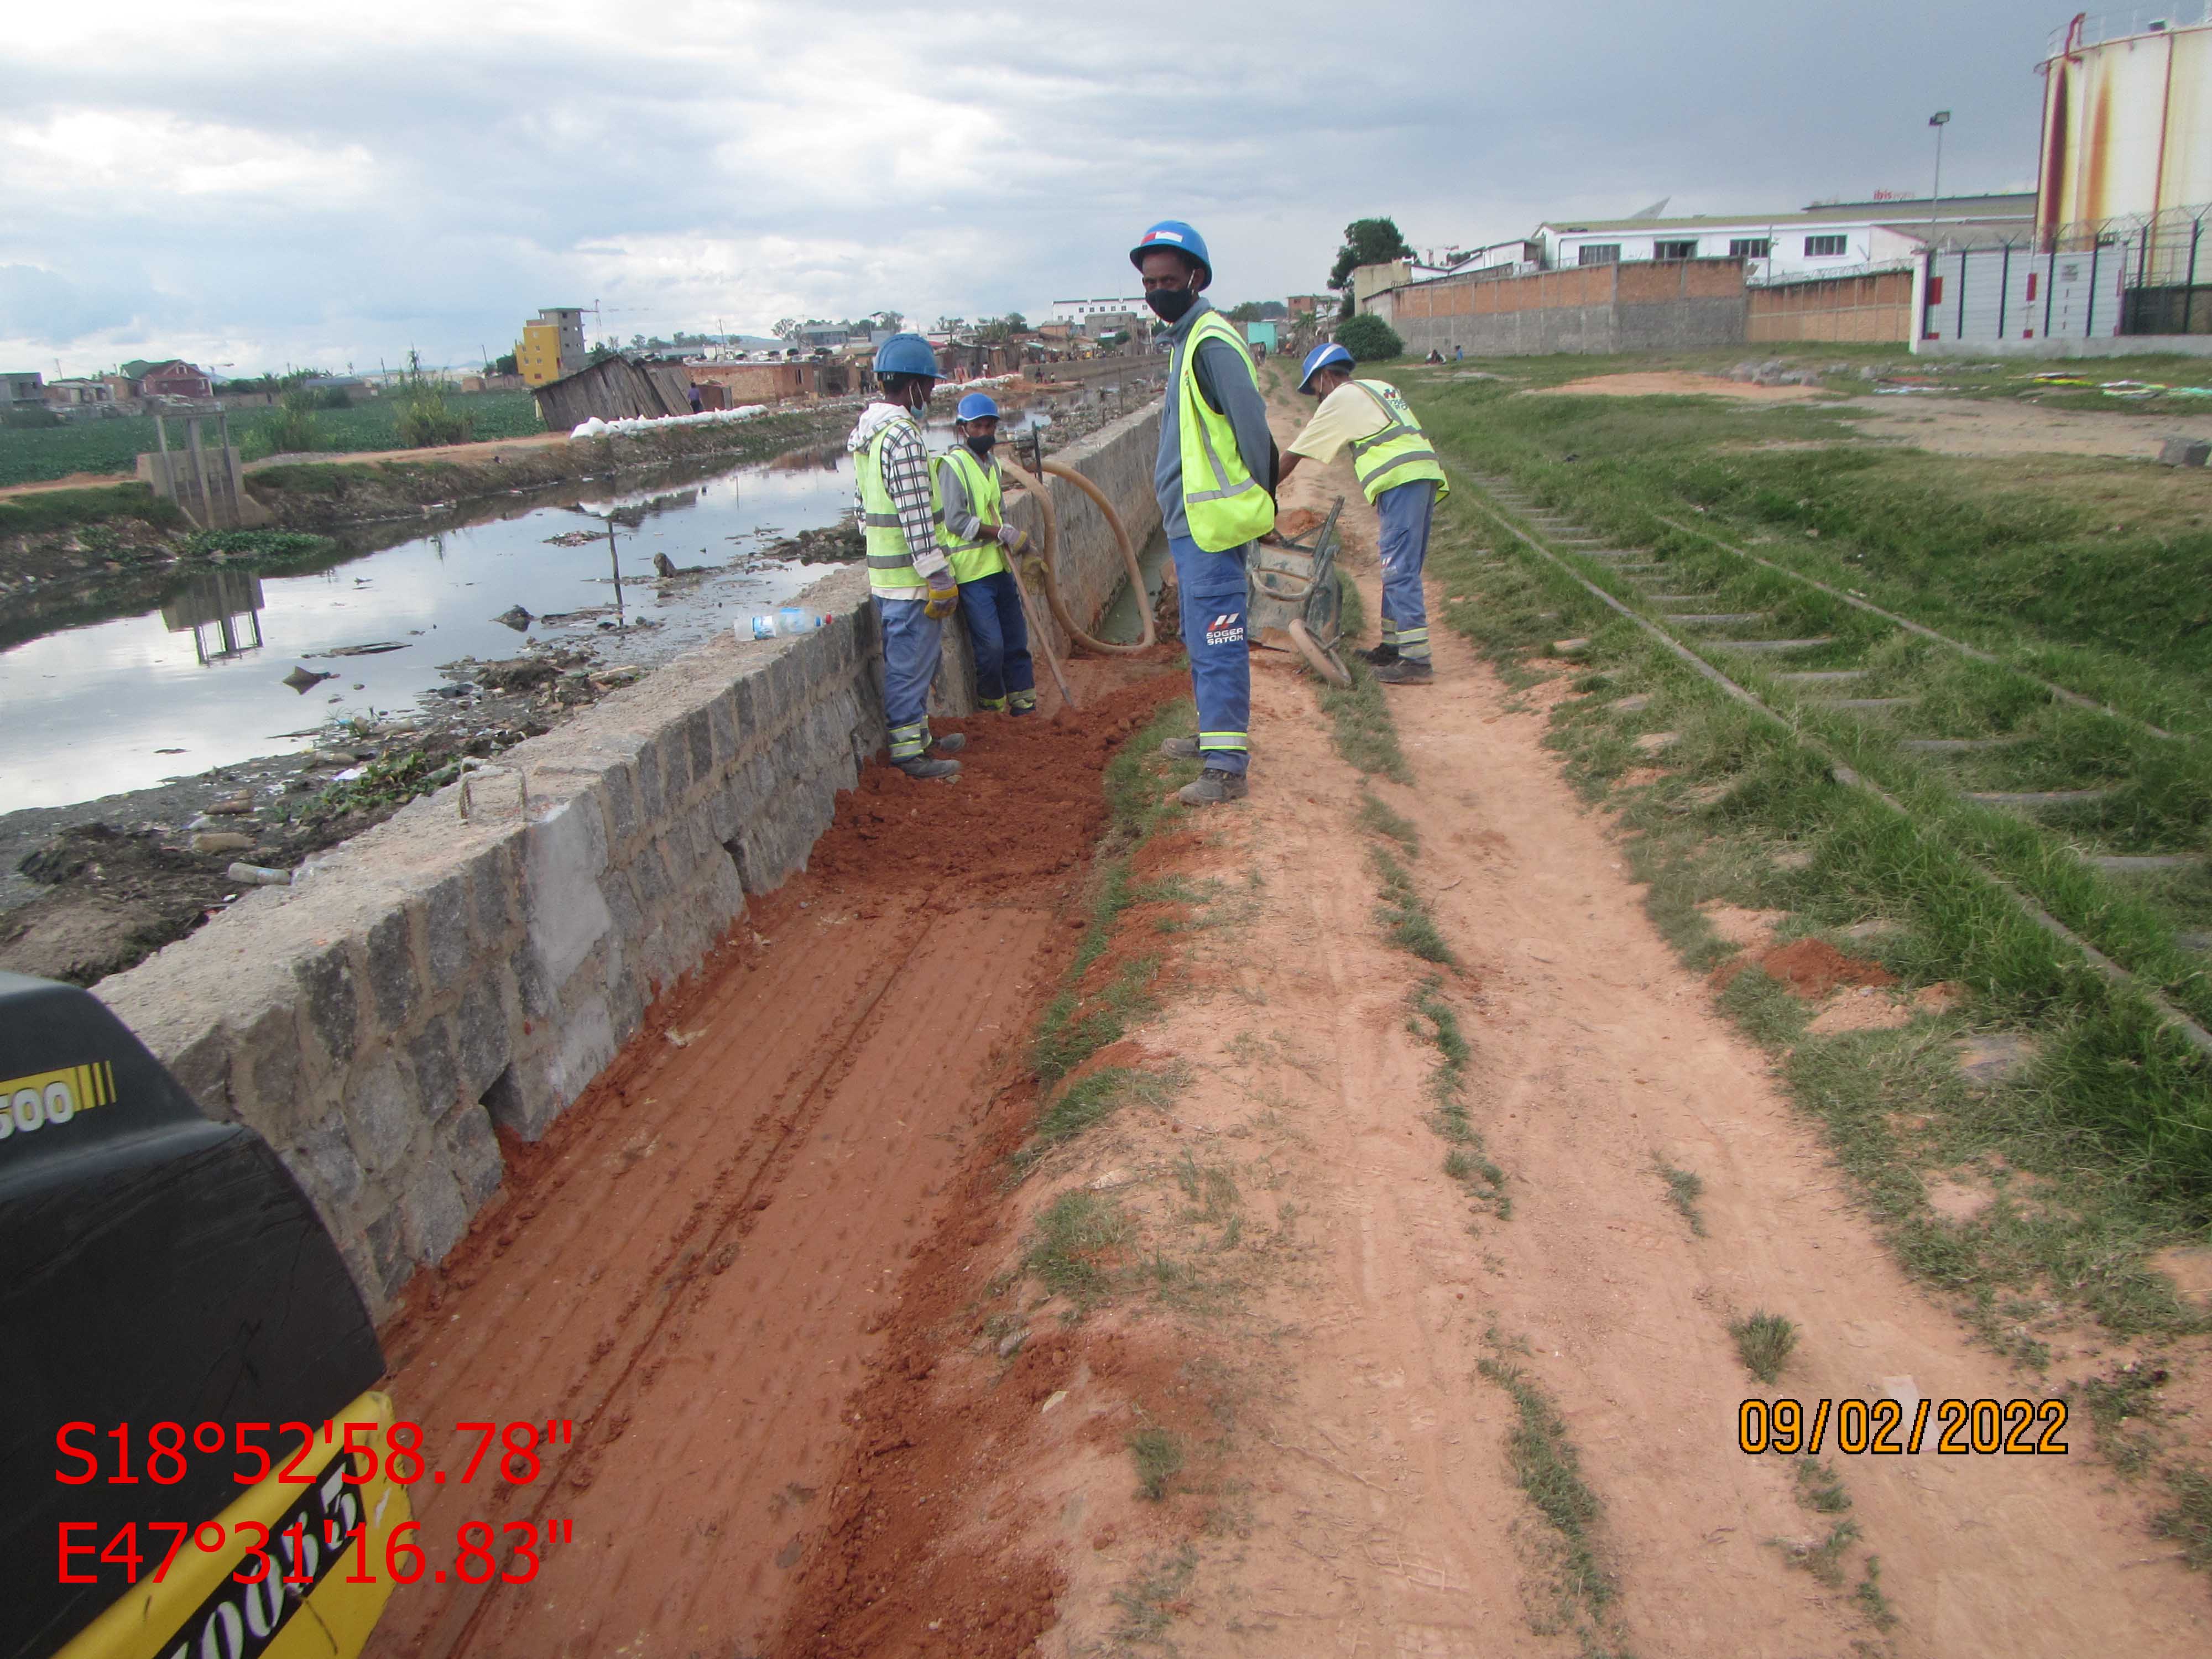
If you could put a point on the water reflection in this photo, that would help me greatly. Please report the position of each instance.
(222, 612)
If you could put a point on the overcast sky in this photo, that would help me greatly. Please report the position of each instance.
(257, 184)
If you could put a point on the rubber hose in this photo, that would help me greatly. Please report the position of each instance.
(1052, 593)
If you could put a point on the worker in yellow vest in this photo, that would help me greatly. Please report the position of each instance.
(1215, 478)
(972, 534)
(1398, 469)
(908, 573)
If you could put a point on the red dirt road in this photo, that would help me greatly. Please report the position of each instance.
(694, 1266)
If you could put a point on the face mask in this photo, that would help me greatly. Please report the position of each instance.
(982, 442)
(1171, 304)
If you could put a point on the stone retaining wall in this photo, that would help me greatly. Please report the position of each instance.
(443, 973)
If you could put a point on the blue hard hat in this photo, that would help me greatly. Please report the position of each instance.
(1174, 233)
(976, 406)
(906, 354)
(1320, 357)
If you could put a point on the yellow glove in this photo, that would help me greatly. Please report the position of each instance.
(942, 599)
(1016, 542)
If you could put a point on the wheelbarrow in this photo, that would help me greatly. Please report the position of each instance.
(1294, 603)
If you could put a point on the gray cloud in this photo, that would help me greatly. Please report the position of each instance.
(243, 185)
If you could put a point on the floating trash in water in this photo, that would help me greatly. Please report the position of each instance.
(300, 680)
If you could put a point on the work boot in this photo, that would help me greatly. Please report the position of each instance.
(1187, 749)
(921, 766)
(1407, 670)
(1376, 655)
(950, 744)
(1213, 787)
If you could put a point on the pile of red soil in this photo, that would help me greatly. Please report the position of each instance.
(1808, 967)
(1027, 806)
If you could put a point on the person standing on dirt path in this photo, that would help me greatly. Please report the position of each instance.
(1398, 469)
(971, 537)
(1215, 478)
(908, 573)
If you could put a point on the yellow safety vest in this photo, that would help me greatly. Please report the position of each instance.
(891, 560)
(973, 560)
(1223, 503)
(1400, 452)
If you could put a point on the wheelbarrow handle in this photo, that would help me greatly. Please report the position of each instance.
(1265, 580)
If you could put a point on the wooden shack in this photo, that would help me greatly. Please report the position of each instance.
(616, 388)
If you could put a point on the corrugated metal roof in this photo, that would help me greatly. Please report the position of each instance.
(1850, 212)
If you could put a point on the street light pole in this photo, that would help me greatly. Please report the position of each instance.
(1939, 121)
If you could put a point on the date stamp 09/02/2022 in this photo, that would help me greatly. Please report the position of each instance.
(1888, 1428)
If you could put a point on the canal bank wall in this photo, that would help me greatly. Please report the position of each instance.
(478, 960)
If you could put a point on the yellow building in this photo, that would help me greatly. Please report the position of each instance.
(551, 346)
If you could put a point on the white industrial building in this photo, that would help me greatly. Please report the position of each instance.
(1081, 313)
(1826, 239)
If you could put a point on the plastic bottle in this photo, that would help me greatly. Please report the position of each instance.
(767, 625)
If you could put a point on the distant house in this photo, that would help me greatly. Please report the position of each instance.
(77, 394)
(551, 347)
(174, 378)
(21, 391)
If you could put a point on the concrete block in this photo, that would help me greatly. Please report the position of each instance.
(2184, 452)
(471, 1151)
(324, 1163)
(394, 978)
(534, 988)
(522, 1098)
(381, 1117)
(698, 748)
(329, 1002)
(567, 915)
(585, 1043)
(622, 812)
(480, 1037)
(495, 892)
(722, 731)
(268, 1070)
(651, 788)
(433, 1214)
(445, 934)
(387, 1252)
(435, 1073)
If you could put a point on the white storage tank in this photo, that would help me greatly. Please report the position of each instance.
(2127, 116)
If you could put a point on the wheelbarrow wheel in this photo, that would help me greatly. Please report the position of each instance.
(1322, 659)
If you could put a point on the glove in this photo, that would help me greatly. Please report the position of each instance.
(1012, 540)
(942, 598)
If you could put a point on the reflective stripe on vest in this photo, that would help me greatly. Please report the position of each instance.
(1223, 503)
(891, 562)
(973, 560)
(1400, 452)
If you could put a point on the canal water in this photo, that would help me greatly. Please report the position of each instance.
(200, 681)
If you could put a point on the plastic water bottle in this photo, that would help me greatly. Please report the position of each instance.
(788, 621)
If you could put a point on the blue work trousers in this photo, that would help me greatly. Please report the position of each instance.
(912, 645)
(1212, 587)
(992, 607)
(1406, 512)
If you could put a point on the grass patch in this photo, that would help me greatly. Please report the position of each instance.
(1365, 734)
(1763, 1342)
(1824, 1559)
(65, 509)
(1684, 1188)
(1545, 1463)
(1073, 1027)
(1379, 818)
(1158, 1456)
(1077, 1236)
(2189, 1522)
(1148, 1604)
(1819, 1488)
(1872, 1602)
(1405, 917)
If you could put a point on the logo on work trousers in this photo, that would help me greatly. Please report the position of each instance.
(1228, 629)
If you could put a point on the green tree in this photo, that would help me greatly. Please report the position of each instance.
(1367, 242)
(1369, 338)
(505, 364)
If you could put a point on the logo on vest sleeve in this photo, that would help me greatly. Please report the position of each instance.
(1227, 629)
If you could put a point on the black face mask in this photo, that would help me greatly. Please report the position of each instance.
(1171, 304)
(982, 442)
